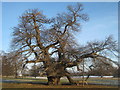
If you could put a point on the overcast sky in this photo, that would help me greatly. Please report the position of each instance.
(103, 19)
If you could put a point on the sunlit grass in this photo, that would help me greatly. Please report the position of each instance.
(15, 85)
(38, 83)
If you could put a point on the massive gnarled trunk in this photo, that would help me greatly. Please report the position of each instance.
(54, 73)
(53, 80)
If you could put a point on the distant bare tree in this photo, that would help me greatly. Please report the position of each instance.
(10, 64)
(100, 69)
(7, 68)
(34, 71)
(51, 41)
(0, 63)
(16, 61)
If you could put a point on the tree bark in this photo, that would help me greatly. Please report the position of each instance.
(52, 80)
(16, 75)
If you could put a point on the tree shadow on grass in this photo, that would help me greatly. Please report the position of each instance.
(30, 82)
(27, 82)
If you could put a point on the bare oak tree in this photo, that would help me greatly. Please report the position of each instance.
(51, 41)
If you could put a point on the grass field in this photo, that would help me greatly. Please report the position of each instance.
(15, 85)
(42, 83)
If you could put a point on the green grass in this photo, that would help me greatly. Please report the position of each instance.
(15, 85)
(63, 81)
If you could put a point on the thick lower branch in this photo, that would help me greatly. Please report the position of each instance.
(36, 61)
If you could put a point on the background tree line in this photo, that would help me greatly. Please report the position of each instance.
(10, 67)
